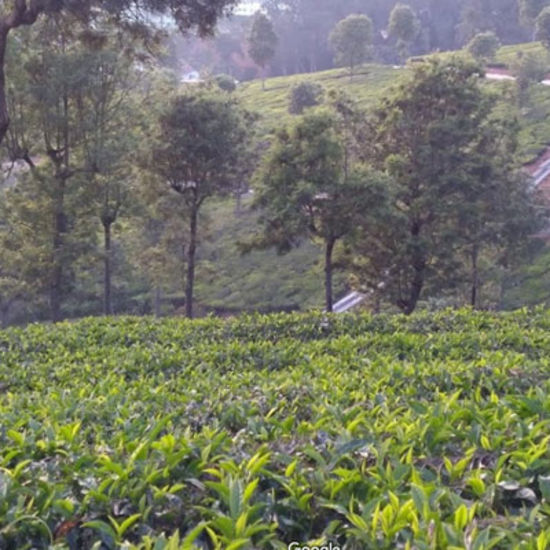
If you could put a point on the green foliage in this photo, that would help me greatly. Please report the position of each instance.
(200, 151)
(351, 39)
(308, 187)
(542, 27)
(530, 9)
(529, 68)
(437, 139)
(303, 95)
(366, 431)
(262, 41)
(225, 82)
(403, 26)
(484, 46)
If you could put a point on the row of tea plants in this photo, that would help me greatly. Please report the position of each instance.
(362, 432)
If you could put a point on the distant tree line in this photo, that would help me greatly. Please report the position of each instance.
(410, 27)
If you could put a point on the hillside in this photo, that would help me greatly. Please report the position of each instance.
(228, 281)
(368, 432)
(373, 81)
(367, 87)
(265, 281)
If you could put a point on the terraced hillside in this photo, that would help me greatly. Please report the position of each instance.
(364, 432)
(367, 87)
(373, 81)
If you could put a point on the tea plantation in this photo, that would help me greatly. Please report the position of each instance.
(362, 432)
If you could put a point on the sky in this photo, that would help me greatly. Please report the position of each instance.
(247, 7)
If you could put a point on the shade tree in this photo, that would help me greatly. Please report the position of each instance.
(351, 40)
(262, 42)
(428, 136)
(304, 191)
(404, 27)
(136, 16)
(200, 146)
(484, 46)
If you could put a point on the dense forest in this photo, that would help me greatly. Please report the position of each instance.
(119, 173)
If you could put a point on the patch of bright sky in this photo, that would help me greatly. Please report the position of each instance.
(247, 7)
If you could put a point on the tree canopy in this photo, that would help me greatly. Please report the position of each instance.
(133, 15)
(351, 39)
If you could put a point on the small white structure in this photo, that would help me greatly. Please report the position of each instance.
(191, 77)
(353, 299)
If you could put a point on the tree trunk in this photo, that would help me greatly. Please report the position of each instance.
(191, 262)
(107, 305)
(4, 118)
(22, 13)
(329, 247)
(157, 305)
(475, 277)
(418, 262)
(60, 227)
(416, 290)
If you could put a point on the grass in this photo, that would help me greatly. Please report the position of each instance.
(367, 87)
(374, 81)
(261, 280)
(370, 432)
(508, 54)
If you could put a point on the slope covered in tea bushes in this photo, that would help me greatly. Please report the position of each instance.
(368, 432)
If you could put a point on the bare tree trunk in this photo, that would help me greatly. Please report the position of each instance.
(4, 118)
(60, 218)
(475, 277)
(408, 305)
(157, 306)
(329, 247)
(191, 249)
(60, 227)
(107, 305)
(416, 290)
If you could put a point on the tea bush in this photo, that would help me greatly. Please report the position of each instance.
(363, 431)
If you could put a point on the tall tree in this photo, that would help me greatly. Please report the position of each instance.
(404, 27)
(187, 14)
(304, 190)
(484, 46)
(201, 146)
(56, 85)
(351, 39)
(496, 208)
(108, 136)
(542, 27)
(530, 9)
(426, 135)
(262, 42)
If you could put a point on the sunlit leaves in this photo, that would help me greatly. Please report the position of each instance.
(371, 432)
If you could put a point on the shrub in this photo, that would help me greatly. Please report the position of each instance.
(304, 95)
